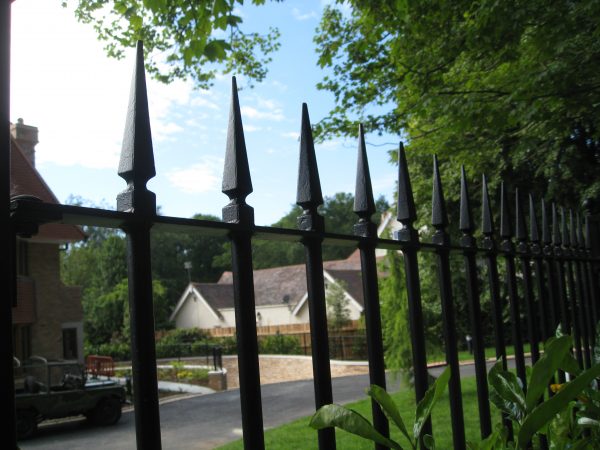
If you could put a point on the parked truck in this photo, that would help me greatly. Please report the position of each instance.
(56, 389)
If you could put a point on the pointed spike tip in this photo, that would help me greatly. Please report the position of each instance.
(406, 213)
(364, 204)
(487, 220)
(556, 239)
(439, 216)
(237, 183)
(309, 185)
(466, 217)
(505, 228)
(546, 235)
(520, 229)
(533, 226)
(137, 155)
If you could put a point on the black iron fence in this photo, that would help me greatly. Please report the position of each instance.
(551, 277)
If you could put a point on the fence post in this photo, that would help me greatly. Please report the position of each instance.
(524, 252)
(364, 207)
(136, 167)
(591, 278)
(407, 215)
(582, 276)
(7, 391)
(575, 272)
(489, 244)
(441, 238)
(237, 185)
(309, 197)
(469, 246)
(537, 256)
(508, 251)
(572, 293)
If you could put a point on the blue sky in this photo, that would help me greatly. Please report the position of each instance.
(63, 84)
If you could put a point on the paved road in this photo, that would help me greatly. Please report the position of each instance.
(206, 421)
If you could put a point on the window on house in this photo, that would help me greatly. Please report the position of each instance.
(70, 343)
(22, 258)
(22, 341)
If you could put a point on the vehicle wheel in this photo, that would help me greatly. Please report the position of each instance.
(26, 424)
(107, 412)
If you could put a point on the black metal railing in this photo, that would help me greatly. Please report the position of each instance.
(564, 272)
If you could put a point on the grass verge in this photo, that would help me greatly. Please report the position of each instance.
(298, 435)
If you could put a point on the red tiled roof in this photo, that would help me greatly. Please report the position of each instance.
(26, 180)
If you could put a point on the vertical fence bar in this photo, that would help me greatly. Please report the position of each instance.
(136, 167)
(560, 273)
(537, 257)
(469, 246)
(592, 282)
(237, 185)
(441, 238)
(407, 215)
(523, 252)
(582, 274)
(489, 244)
(364, 207)
(508, 251)
(7, 391)
(548, 252)
(577, 281)
(572, 293)
(309, 197)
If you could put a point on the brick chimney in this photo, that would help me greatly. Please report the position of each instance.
(27, 138)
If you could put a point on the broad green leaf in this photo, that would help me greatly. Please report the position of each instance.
(429, 442)
(570, 365)
(350, 421)
(429, 400)
(506, 392)
(547, 410)
(489, 443)
(388, 406)
(156, 5)
(554, 353)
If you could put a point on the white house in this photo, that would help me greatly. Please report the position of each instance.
(280, 296)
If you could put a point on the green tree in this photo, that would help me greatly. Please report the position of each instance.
(510, 88)
(193, 37)
(338, 313)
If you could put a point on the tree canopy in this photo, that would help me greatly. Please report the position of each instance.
(509, 88)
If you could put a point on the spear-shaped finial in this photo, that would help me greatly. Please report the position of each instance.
(555, 227)
(309, 195)
(572, 229)
(521, 227)
(237, 184)
(565, 229)
(588, 234)
(487, 220)
(580, 239)
(505, 228)
(406, 204)
(439, 217)
(136, 165)
(546, 236)
(533, 227)
(466, 217)
(364, 204)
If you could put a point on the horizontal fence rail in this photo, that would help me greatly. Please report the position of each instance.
(550, 280)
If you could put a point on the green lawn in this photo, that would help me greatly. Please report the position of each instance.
(298, 435)
(490, 352)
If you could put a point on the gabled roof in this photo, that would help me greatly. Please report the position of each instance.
(26, 180)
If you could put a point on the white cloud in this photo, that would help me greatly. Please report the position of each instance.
(76, 96)
(253, 113)
(251, 128)
(292, 135)
(298, 15)
(204, 102)
(198, 178)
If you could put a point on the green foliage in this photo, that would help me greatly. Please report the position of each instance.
(279, 344)
(507, 88)
(193, 37)
(352, 422)
(561, 417)
(338, 313)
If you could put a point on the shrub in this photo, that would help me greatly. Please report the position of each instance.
(279, 344)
